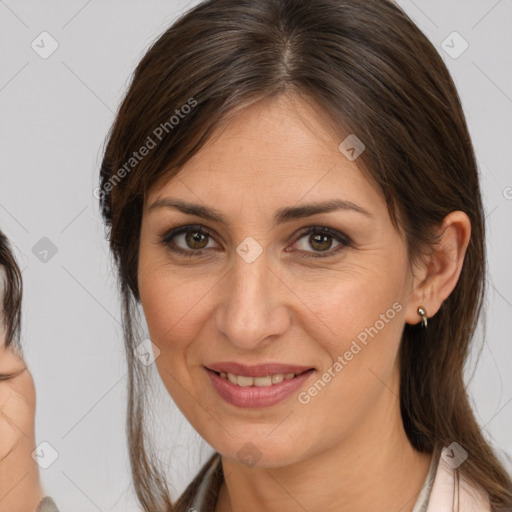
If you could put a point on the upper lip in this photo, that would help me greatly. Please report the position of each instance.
(259, 370)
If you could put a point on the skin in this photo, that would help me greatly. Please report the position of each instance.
(346, 450)
(20, 488)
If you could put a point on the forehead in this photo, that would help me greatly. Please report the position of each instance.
(275, 152)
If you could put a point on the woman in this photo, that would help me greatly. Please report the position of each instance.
(291, 194)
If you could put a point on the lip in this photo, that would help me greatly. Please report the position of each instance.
(259, 370)
(256, 396)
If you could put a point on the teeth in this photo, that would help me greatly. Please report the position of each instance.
(276, 379)
(244, 381)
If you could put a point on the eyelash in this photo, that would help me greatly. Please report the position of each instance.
(322, 230)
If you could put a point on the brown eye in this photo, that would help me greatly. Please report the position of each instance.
(196, 240)
(187, 240)
(320, 242)
(320, 239)
(190, 241)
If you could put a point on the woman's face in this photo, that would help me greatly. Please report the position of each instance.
(255, 289)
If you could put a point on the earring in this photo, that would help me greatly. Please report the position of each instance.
(423, 313)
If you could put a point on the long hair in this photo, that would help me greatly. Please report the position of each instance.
(377, 76)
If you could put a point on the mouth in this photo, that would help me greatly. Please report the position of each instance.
(259, 370)
(265, 381)
(257, 386)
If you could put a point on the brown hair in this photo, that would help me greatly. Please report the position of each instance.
(11, 294)
(377, 75)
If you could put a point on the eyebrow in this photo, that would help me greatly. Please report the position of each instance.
(282, 215)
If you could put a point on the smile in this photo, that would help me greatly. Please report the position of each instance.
(269, 380)
(248, 391)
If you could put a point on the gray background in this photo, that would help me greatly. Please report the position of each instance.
(55, 114)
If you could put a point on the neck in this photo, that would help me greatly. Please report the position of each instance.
(375, 467)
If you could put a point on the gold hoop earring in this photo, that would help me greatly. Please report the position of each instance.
(423, 313)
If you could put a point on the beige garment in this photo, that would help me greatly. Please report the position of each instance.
(424, 494)
(445, 493)
(438, 494)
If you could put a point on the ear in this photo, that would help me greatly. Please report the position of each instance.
(436, 277)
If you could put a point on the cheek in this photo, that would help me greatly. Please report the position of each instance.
(174, 315)
(359, 301)
(364, 311)
(174, 306)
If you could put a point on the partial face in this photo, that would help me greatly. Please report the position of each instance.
(238, 306)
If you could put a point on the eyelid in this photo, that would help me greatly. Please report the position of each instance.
(343, 240)
(340, 237)
(168, 235)
(11, 375)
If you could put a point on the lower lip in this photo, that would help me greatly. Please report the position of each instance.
(255, 396)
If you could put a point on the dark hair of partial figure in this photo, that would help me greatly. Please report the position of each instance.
(11, 294)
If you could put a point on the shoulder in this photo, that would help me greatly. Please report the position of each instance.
(448, 489)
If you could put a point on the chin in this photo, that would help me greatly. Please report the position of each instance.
(261, 454)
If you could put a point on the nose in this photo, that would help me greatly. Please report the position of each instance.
(253, 309)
